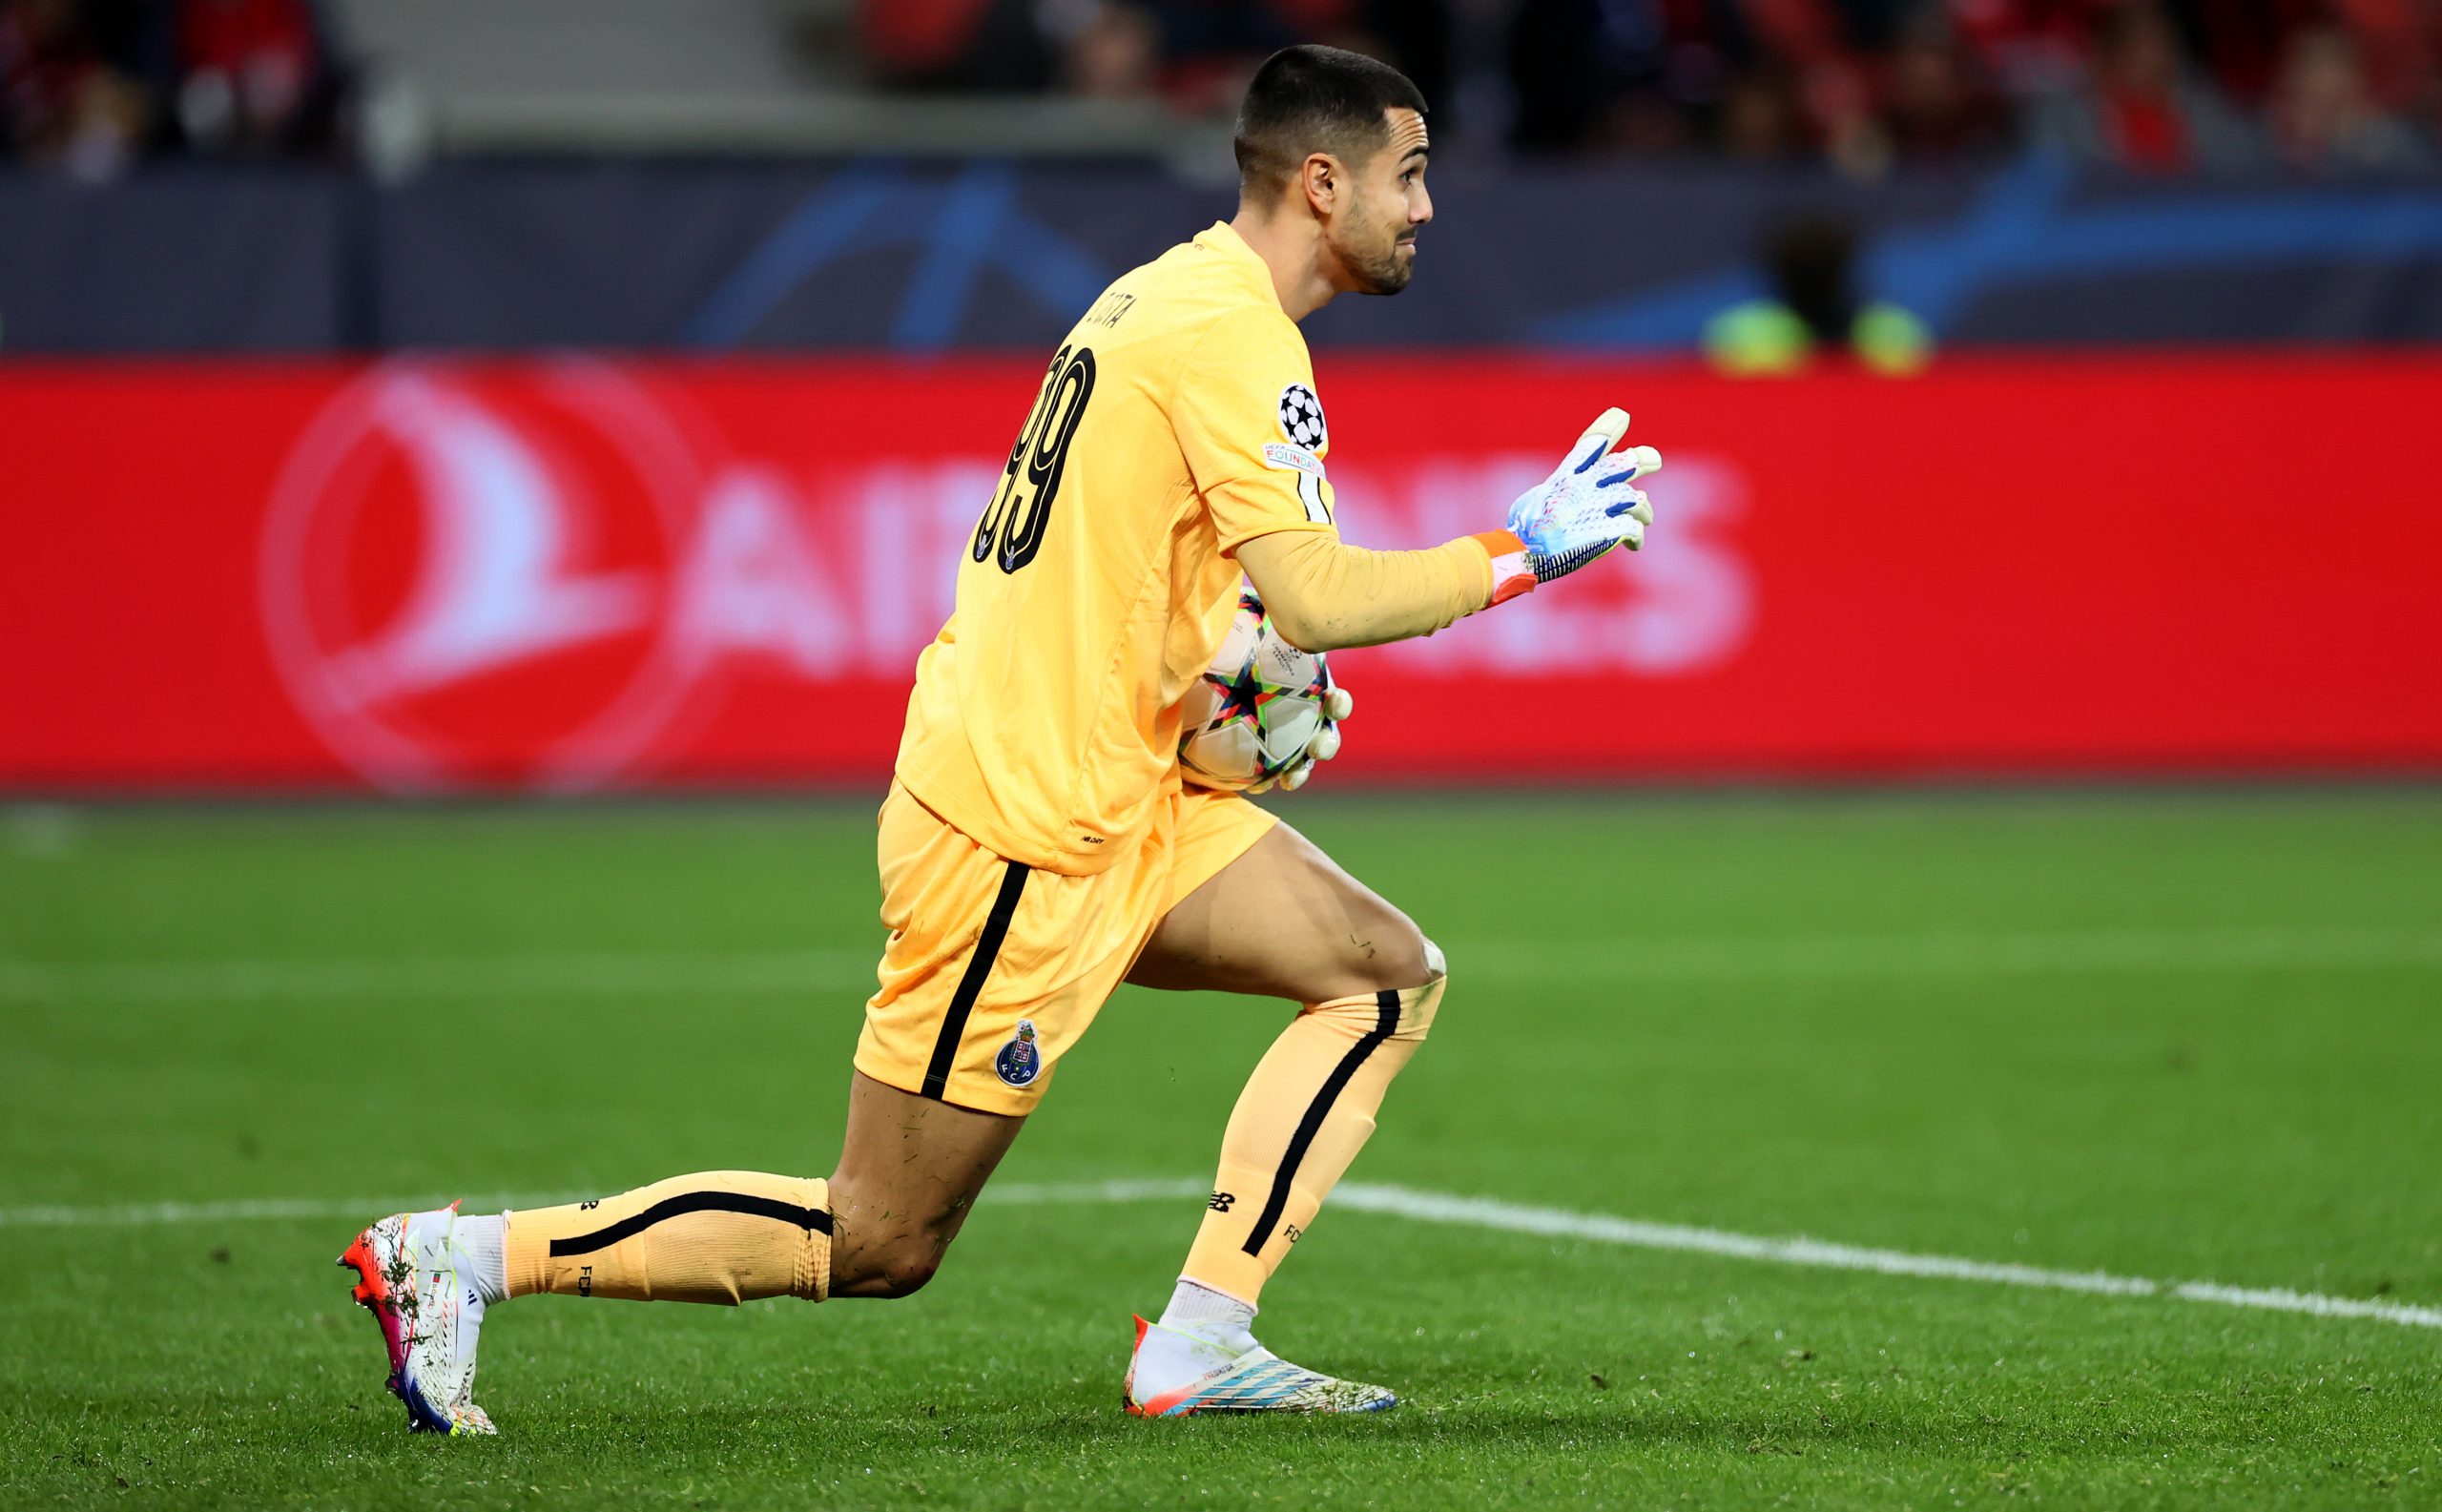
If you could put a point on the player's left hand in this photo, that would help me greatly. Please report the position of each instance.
(1589, 504)
(1338, 705)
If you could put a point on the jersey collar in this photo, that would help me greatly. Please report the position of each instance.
(1232, 247)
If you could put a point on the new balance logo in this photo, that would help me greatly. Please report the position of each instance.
(1221, 1200)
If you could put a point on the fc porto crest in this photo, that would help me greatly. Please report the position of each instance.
(1020, 1060)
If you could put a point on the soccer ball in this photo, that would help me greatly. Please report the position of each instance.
(1256, 708)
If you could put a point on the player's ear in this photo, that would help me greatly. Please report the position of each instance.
(1319, 176)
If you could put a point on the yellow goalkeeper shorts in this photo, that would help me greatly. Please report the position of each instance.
(994, 968)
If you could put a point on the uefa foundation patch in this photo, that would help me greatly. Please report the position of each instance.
(1020, 1060)
(1290, 459)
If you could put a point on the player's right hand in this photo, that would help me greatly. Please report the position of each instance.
(1336, 706)
(1586, 508)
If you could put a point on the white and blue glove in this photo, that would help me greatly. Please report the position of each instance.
(1584, 508)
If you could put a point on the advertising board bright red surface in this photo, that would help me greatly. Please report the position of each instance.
(577, 574)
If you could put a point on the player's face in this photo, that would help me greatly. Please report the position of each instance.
(1377, 239)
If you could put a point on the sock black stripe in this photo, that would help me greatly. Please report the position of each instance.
(970, 986)
(688, 1202)
(1387, 1005)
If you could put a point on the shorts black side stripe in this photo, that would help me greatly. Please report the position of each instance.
(1387, 1025)
(970, 986)
(685, 1203)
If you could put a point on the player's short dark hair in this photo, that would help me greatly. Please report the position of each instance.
(1311, 98)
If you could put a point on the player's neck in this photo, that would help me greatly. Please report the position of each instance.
(1292, 247)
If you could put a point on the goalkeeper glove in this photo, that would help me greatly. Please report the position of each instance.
(1584, 508)
(1336, 706)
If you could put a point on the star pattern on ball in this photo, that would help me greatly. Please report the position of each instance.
(1301, 416)
(1242, 698)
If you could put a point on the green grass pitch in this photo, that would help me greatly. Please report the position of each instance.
(2180, 1037)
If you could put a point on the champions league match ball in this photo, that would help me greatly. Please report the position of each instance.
(1256, 708)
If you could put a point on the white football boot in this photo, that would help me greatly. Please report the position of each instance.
(412, 1274)
(1189, 1374)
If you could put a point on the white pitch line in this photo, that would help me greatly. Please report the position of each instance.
(2019, 952)
(1423, 1207)
(781, 973)
(1510, 1217)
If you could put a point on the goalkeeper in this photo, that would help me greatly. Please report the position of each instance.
(1038, 848)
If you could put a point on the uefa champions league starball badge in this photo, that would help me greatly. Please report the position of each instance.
(1019, 1061)
(1301, 417)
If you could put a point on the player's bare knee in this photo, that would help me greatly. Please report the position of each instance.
(888, 1266)
(1418, 996)
(904, 1272)
(1388, 954)
(1392, 955)
(883, 1244)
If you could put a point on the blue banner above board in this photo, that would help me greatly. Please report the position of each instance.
(931, 258)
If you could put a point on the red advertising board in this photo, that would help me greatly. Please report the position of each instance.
(582, 573)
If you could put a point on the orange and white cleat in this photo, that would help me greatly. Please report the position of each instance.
(410, 1275)
(1184, 1374)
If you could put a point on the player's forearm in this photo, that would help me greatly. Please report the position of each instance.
(1325, 596)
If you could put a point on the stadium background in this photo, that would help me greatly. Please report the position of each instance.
(1993, 819)
(345, 508)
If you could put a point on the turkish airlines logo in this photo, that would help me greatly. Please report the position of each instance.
(468, 581)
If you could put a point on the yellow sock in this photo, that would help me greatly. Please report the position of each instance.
(720, 1237)
(1305, 1114)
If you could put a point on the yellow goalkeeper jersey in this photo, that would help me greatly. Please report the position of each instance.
(1178, 420)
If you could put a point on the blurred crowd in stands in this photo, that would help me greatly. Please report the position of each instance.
(2166, 87)
(87, 86)
(2157, 86)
